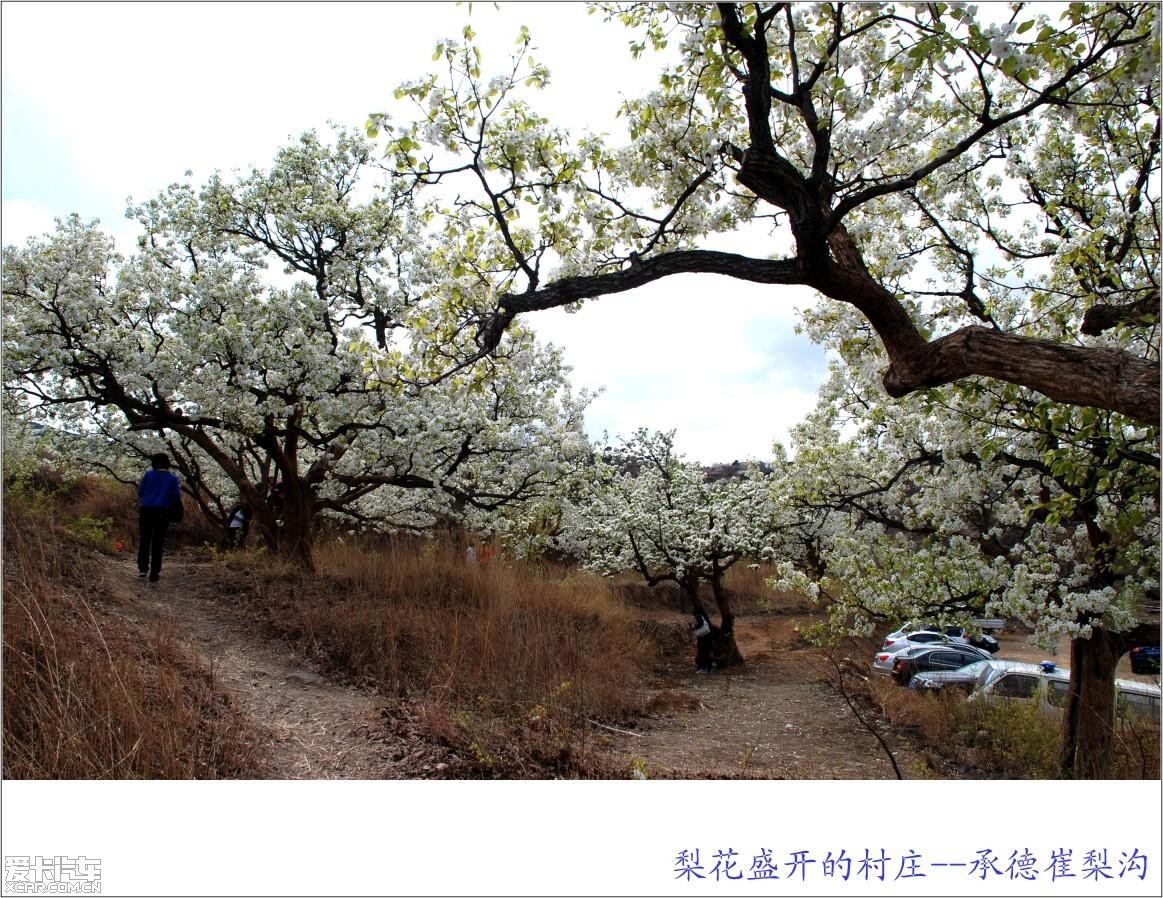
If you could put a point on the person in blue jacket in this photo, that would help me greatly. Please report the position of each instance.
(160, 500)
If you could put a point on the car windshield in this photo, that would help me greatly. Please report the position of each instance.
(968, 671)
(978, 670)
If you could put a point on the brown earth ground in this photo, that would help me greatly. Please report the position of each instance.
(780, 715)
(783, 715)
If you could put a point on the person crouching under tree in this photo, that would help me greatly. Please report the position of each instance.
(702, 630)
(238, 526)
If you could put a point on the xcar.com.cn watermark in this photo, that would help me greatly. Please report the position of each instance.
(52, 875)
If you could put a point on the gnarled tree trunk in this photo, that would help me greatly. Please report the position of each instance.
(724, 649)
(296, 536)
(1088, 725)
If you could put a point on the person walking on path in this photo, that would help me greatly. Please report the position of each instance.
(160, 498)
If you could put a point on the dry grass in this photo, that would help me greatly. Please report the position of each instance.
(88, 695)
(96, 500)
(509, 663)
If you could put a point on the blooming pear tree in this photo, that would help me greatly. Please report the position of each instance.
(982, 499)
(299, 390)
(652, 512)
(477, 446)
(980, 184)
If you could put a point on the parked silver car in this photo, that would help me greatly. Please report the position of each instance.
(949, 656)
(883, 661)
(1004, 680)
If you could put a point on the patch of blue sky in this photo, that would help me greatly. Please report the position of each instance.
(35, 164)
(790, 359)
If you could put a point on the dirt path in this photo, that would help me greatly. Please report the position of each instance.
(313, 728)
(775, 718)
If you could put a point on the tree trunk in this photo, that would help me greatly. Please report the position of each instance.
(1087, 748)
(265, 524)
(295, 538)
(1088, 726)
(690, 586)
(724, 649)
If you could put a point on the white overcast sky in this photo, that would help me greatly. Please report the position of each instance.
(107, 101)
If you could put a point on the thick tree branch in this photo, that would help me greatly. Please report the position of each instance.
(1079, 375)
(568, 290)
(642, 272)
(1102, 316)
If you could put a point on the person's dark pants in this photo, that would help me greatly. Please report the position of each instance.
(236, 536)
(154, 524)
(703, 652)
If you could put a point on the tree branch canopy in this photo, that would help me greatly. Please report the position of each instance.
(187, 345)
(933, 166)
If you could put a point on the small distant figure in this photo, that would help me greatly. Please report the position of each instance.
(702, 631)
(160, 499)
(238, 526)
(486, 555)
(470, 556)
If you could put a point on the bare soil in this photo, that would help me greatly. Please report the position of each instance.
(780, 716)
(776, 717)
(783, 715)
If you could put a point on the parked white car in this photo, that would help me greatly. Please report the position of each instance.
(979, 639)
(902, 641)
